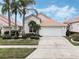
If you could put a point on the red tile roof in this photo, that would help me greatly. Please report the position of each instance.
(73, 20)
(46, 21)
(4, 21)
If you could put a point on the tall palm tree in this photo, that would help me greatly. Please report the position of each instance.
(15, 10)
(24, 4)
(6, 8)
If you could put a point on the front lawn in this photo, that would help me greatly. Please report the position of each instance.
(18, 41)
(15, 53)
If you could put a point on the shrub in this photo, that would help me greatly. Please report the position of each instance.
(34, 37)
(6, 32)
(75, 37)
(24, 36)
(14, 34)
(6, 35)
(30, 35)
(68, 33)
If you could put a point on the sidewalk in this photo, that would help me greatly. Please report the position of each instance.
(18, 46)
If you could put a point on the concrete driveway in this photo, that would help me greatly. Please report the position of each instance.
(55, 48)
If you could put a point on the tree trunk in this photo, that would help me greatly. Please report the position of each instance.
(16, 20)
(23, 20)
(9, 21)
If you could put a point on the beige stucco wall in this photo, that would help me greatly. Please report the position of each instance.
(26, 28)
(74, 27)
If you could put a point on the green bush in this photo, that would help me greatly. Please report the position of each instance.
(6, 36)
(24, 36)
(14, 34)
(34, 37)
(30, 35)
(68, 33)
(75, 37)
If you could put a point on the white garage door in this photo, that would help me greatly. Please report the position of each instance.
(53, 31)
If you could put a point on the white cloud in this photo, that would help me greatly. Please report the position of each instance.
(66, 12)
(52, 9)
(61, 12)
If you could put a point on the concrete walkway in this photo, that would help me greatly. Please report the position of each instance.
(55, 48)
(18, 46)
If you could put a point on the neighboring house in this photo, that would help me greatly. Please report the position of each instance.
(49, 27)
(73, 24)
(4, 24)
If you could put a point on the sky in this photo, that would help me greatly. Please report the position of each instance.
(56, 9)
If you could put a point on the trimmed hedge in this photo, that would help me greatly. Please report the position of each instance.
(13, 34)
(31, 35)
(68, 33)
(6, 35)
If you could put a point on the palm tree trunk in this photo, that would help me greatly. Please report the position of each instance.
(9, 18)
(23, 23)
(15, 20)
(9, 14)
(23, 20)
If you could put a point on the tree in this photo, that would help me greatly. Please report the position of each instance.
(37, 28)
(24, 4)
(6, 8)
(15, 10)
(68, 30)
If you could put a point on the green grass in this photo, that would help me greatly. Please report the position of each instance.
(15, 53)
(18, 41)
(73, 43)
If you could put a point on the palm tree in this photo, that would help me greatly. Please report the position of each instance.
(15, 10)
(6, 8)
(24, 4)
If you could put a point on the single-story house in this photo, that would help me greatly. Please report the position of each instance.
(49, 27)
(4, 24)
(73, 24)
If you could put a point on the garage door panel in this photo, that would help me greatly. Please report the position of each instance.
(52, 31)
